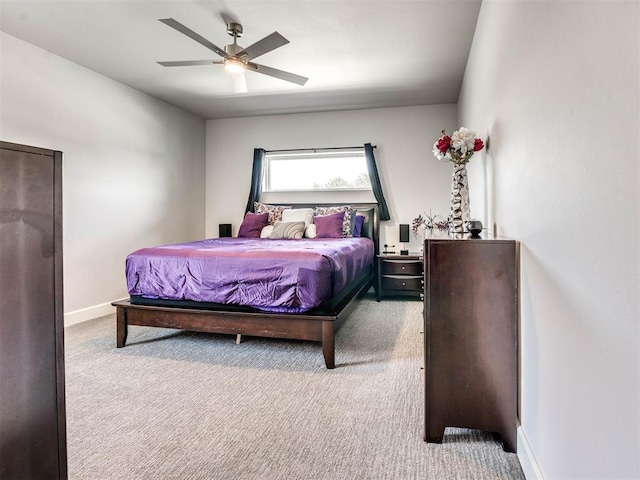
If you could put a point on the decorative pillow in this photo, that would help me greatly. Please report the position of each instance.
(346, 222)
(266, 231)
(293, 230)
(298, 215)
(252, 225)
(330, 226)
(274, 211)
(310, 231)
(359, 222)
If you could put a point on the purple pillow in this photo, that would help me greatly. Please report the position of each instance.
(357, 230)
(253, 224)
(329, 226)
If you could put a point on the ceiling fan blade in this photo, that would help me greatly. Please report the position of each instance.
(268, 43)
(193, 35)
(239, 83)
(189, 63)
(274, 72)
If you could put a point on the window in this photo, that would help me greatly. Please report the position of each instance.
(321, 169)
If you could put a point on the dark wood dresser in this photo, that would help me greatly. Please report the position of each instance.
(471, 333)
(400, 275)
(32, 398)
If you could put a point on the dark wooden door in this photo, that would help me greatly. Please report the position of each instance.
(32, 409)
(471, 337)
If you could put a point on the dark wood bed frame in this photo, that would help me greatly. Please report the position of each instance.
(319, 324)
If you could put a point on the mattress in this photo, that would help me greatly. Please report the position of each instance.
(277, 275)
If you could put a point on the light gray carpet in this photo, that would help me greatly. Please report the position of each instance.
(183, 405)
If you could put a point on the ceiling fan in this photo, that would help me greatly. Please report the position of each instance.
(236, 59)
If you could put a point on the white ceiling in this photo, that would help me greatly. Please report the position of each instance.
(357, 54)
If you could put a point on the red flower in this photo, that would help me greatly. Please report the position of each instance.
(478, 145)
(443, 143)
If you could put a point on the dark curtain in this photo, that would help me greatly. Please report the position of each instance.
(256, 178)
(376, 186)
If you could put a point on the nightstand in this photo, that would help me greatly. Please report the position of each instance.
(400, 275)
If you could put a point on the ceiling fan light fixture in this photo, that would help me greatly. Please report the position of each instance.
(234, 65)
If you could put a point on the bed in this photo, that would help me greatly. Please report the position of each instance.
(301, 316)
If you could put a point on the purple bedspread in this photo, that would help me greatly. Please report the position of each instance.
(273, 275)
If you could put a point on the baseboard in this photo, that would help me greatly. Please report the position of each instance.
(527, 459)
(89, 313)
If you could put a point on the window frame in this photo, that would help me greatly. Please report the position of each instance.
(315, 154)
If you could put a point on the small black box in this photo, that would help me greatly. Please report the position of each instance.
(224, 230)
(404, 233)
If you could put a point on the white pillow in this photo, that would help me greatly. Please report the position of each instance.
(298, 215)
(310, 231)
(290, 230)
(266, 231)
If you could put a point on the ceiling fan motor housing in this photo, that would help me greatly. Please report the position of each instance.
(232, 49)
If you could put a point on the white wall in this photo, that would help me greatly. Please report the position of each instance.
(133, 166)
(555, 85)
(413, 180)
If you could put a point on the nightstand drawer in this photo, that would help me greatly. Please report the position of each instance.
(401, 267)
(402, 283)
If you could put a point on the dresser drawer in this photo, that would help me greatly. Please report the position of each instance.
(402, 283)
(401, 267)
